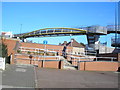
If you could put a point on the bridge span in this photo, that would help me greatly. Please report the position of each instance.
(92, 32)
(51, 32)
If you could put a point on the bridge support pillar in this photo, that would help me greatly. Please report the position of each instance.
(93, 42)
(23, 40)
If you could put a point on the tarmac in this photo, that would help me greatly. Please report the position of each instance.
(54, 78)
(30, 77)
(18, 76)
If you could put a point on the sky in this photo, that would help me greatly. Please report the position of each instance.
(38, 15)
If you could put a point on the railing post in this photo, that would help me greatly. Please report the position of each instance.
(112, 59)
(96, 58)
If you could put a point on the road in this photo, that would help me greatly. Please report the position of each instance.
(21, 76)
(18, 76)
(53, 78)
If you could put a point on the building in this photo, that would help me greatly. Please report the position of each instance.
(20, 53)
(6, 34)
(73, 43)
(78, 48)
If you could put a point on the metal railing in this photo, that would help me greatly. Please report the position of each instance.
(51, 31)
(37, 57)
(93, 59)
(117, 41)
(112, 27)
(58, 52)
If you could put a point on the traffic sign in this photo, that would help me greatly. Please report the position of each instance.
(45, 42)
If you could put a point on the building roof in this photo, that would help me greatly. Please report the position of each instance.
(73, 43)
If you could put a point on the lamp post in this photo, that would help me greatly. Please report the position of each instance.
(44, 42)
(116, 26)
(20, 28)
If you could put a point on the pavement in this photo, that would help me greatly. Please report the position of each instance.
(18, 76)
(54, 78)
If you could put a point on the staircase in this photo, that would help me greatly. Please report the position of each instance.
(67, 65)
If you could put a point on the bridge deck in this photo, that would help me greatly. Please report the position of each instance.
(56, 32)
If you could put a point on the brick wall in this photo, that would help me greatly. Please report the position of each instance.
(42, 46)
(50, 64)
(11, 43)
(98, 66)
(119, 59)
(44, 62)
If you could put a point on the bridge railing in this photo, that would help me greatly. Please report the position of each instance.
(115, 42)
(113, 27)
(97, 29)
(51, 31)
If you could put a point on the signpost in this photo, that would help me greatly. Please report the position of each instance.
(44, 42)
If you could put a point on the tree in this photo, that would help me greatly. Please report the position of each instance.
(18, 51)
(3, 50)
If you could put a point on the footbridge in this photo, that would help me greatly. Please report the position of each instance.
(92, 32)
(51, 32)
(61, 31)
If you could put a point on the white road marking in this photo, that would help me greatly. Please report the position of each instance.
(20, 70)
(116, 72)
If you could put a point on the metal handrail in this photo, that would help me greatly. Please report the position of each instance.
(96, 58)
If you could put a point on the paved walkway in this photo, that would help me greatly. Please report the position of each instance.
(18, 76)
(54, 78)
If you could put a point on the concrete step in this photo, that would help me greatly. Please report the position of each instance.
(69, 68)
(68, 65)
(66, 62)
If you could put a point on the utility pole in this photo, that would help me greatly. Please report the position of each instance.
(71, 39)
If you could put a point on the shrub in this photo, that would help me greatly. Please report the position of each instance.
(34, 53)
(18, 51)
(28, 52)
(41, 54)
(47, 54)
(53, 54)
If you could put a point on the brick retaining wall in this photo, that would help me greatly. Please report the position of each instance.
(98, 66)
